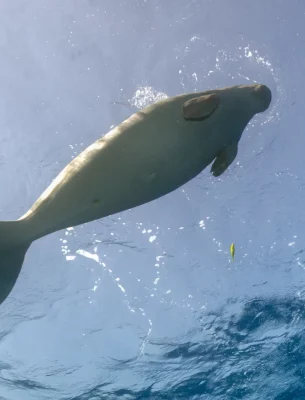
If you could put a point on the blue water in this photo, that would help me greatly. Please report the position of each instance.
(147, 304)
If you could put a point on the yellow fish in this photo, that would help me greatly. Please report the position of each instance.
(232, 251)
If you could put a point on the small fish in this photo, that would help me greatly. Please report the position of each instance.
(232, 251)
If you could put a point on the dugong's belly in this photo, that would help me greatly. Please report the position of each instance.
(154, 159)
(139, 170)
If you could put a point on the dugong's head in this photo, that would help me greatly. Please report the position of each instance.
(256, 97)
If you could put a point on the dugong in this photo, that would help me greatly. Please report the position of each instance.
(152, 153)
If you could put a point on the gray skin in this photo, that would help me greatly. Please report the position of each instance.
(152, 153)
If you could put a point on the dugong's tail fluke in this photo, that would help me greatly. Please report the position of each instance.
(12, 251)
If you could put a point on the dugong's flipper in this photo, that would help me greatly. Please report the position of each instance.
(224, 159)
(200, 108)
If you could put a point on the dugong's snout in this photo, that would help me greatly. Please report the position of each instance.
(262, 97)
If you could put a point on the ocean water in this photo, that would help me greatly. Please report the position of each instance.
(147, 304)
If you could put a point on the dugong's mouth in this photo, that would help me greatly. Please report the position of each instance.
(265, 96)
